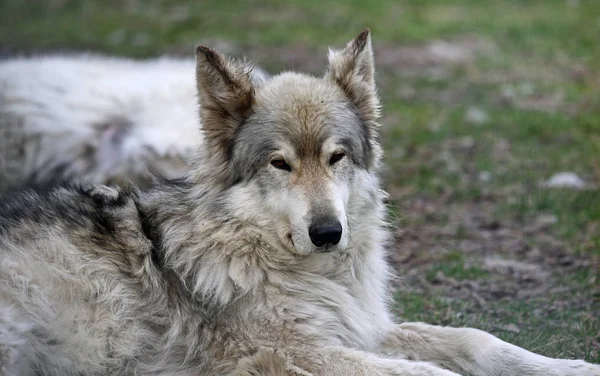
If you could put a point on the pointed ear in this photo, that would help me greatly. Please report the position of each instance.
(353, 70)
(226, 96)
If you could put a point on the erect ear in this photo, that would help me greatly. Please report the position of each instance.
(226, 96)
(352, 68)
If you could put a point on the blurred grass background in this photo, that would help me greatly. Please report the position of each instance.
(483, 102)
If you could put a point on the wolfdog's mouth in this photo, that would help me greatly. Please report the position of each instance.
(325, 249)
(291, 239)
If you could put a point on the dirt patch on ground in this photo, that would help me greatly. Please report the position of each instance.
(520, 259)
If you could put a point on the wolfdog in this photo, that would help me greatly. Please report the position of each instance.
(96, 118)
(268, 258)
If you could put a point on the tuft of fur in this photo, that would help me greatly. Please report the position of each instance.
(216, 273)
(266, 362)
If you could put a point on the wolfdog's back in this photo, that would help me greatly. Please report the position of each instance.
(95, 117)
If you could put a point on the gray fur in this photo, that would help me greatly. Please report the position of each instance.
(213, 274)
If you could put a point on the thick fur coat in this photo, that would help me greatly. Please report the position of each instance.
(268, 258)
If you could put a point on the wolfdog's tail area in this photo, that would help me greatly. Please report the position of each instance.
(15, 348)
(96, 118)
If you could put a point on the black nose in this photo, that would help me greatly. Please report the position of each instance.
(326, 232)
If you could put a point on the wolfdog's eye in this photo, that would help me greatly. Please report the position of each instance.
(281, 164)
(336, 157)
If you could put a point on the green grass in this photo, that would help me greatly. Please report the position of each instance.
(453, 266)
(534, 52)
(542, 26)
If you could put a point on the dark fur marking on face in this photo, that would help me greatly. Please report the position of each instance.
(262, 187)
(367, 134)
(250, 151)
(361, 153)
(355, 154)
(312, 146)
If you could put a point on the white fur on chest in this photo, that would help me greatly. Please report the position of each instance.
(341, 308)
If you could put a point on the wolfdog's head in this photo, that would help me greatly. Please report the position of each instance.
(295, 149)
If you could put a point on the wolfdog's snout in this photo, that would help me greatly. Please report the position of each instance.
(325, 232)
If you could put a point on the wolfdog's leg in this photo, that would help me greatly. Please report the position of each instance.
(339, 361)
(266, 362)
(475, 352)
(331, 362)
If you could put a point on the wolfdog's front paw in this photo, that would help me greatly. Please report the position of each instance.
(268, 362)
(564, 367)
(411, 368)
(265, 362)
(436, 371)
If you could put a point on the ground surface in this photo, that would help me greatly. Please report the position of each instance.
(483, 101)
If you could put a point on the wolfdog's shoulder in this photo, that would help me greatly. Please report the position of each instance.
(83, 215)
